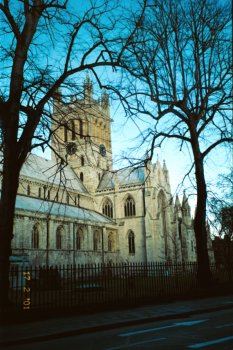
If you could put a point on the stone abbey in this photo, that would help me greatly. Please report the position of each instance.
(79, 210)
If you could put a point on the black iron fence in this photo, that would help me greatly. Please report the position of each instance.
(68, 286)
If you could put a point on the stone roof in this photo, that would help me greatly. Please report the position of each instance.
(44, 170)
(125, 177)
(45, 207)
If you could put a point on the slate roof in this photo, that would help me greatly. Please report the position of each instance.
(126, 177)
(41, 169)
(57, 209)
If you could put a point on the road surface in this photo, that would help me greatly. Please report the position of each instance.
(212, 331)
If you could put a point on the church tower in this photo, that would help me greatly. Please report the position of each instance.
(82, 134)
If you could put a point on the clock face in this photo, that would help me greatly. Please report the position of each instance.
(102, 150)
(71, 148)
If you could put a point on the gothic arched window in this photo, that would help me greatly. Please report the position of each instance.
(107, 208)
(59, 233)
(130, 207)
(35, 236)
(131, 242)
(28, 190)
(81, 176)
(79, 239)
(39, 192)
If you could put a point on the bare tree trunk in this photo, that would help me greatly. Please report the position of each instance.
(203, 272)
(7, 208)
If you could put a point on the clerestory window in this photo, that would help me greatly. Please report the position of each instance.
(129, 207)
(107, 208)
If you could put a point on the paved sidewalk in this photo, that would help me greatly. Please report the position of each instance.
(12, 334)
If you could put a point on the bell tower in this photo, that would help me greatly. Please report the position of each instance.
(82, 134)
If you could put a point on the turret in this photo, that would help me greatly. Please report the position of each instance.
(177, 208)
(105, 103)
(177, 202)
(88, 89)
(185, 206)
(166, 174)
(57, 100)
(105, 99)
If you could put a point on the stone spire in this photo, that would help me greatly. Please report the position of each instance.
(157, 164)
(177, 202)
(177, 209)
(88, 89)
(105, 100)
(185, 205)
(57, 103)
(165, 171)
(164, 165)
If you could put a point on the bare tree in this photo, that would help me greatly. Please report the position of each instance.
(45, 44)
(181, 63)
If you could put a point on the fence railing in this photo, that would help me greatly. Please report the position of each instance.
(78, 285)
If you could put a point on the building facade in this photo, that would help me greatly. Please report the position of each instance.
(76, 209)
